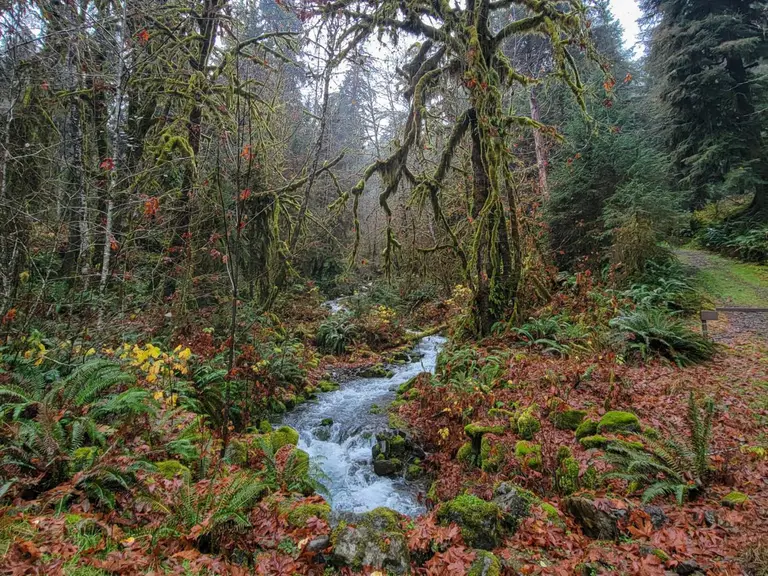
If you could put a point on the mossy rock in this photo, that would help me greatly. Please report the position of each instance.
(502, 413)
(492, 455)
(297, 517)
(374, 409)
(465, 454)
(383, 466)
(479, 520)
(529, 454)
(327, 386)
(289, 400)
(590, 479)
(169, 469)
(733, 499)
(567, 476)
(485, 564)
(413, 472)
(326, 422)
(265, 427)
(528, 424)
(396, 422)
(282, 436)
(596, 441)
(476, 430)
(236, 452)
(376, 371)
(408, 384)
(618, 421)
(397, 445)
(568, 419)
(563, 452)
(375, 540)
(588, 427)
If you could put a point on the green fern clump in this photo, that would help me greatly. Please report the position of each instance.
(646, 332)
(335, 334)
(667, 466)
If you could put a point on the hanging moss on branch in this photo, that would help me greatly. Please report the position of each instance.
(459, 49)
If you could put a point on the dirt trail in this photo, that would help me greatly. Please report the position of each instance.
(731, 283)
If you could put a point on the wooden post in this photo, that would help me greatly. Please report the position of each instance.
(707, 315)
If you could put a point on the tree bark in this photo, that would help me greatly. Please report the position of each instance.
(542, 156)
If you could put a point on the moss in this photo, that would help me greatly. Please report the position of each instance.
(596, 441)
(567, 476)
(298, 516)
(413, 471)
(478, 519)
(528, 424)
(432, 492)
(475, 430)
(485, 564)
(374, 409)
(327, 386)
(83, 458)
(568, 419)
(590, 478)
(492, 455)
(552, 514)
(465, 454)
(733, 499)
(376, 371)
(171, 468)
(236, 453)
(396, 422)
(617, 421)
(407, 385)
(282, 436)
(587, 428)
(397, 444)
(326, 422)
(265, 427)
(562, 453)
(529, 454)
(651, 433)
(382, 519)
(300, 399)
(501, 413)
(627, 444)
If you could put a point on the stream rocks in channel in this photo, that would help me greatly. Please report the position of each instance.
(348, 438)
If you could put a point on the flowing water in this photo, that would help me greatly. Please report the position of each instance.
(343, 450)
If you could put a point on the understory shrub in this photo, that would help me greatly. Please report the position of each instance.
(335, 333)
(668, 466)
(646, 332)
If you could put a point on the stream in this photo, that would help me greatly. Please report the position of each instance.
(343, 451)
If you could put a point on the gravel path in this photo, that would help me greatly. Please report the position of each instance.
(729, 286)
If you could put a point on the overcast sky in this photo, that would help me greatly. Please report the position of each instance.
(627, 11)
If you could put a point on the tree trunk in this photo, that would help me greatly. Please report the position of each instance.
(542, 156)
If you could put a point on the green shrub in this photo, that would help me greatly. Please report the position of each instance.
(335, 334)
(668, 466)
(646, 332)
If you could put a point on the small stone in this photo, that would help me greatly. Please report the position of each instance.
(710, 518)
(318, 544)
(687, 568)
(601, 523)
(390, 467)
(658, 518)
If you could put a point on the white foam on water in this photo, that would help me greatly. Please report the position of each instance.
(344, 459)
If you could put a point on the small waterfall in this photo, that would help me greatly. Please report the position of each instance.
(343, 450)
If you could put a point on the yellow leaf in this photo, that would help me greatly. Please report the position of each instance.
(158, 395)
(185, 354)
(91, 352)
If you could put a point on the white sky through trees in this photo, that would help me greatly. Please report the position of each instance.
(627, 12)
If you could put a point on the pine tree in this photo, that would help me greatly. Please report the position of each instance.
(703, 57)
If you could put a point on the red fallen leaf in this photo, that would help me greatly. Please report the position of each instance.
(190, 554)
(143, 37)
(30, 549)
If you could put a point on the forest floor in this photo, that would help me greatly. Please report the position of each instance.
(730, 283)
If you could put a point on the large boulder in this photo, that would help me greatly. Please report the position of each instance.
(373, 539)
(514, 503)
(599, 519)
(618, 421)
(479, 520)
